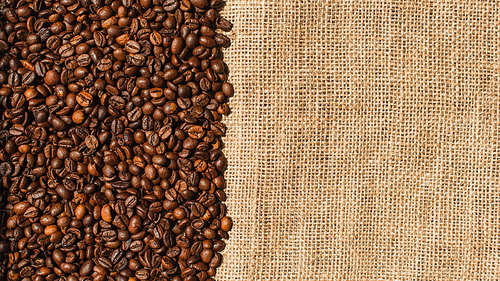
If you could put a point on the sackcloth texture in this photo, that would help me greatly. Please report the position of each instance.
(363, 140)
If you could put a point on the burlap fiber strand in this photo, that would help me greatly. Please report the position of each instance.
(363, 140)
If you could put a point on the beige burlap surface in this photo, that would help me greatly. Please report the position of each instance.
(363, 142)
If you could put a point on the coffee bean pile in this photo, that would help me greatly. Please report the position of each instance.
(110, 159)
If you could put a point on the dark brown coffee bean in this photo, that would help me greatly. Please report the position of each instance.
(132, 47)
(86, 268)
(218, 128)
(177, 45)
(223, 24)
(68, 240)
(135, 224)
(84, 60)
(170, 5)
(27, 271)
(51, 77)
(227, 89)
(218, 245)
(104, 64)
(6, 169)
(136, 246)
(226, 223)
(196, 132)
(120, 208)
(156, 207)
(68, 267)
(222, 40)
(207, 42)
(84, 98)
(53, 42)
(31, 212)
(137, 59)
(40, 69)
(156, 38)
(91, 142)
(99, 39)
(80, 72)
(105, 262)
(59, 124)
(131, 202)
(66, 50)
(221, 163)
(28, 78)
(14, 80)
(191, 41)
(202, 4)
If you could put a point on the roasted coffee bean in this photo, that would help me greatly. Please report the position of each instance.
(6, 169)
(91, 142)
(177, 45)
(99, 38)
(28, 78)
(52, 77)
(137, 59)
(170, 5)
(83, 60)
(222, 40)
(117, 102)
(40, 69)
(136, 246)
(223, 24)
(84, 99)
(206, 41)
(105, 262)
(142, 274)
(131, 202)
(87, 268)
(66, 50)
(156, 38)
(132, 47)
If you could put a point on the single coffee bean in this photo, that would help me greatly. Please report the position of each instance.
(40, 69)
(66, 50)
(207, 42)
(105, 262)
(104, 64)
(135, 224)
(222, 40)
(156, 38)
(132, 47)
(84, 99)
(28, 78)
(87, 268)
(52, 77)
(137, 59)
(84, 60)
(226, 223)
(200, 3)
(137, 246)
(170, 5)
(117, 102)
(223, 24)
(177, 45)
(142, 274)
(99, 38)
(91, 142)
(106, 213)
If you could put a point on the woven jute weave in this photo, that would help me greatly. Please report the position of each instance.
(363, 140)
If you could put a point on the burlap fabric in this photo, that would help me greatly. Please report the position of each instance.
(363, 143)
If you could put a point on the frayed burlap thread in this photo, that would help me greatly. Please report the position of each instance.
(363, 140)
